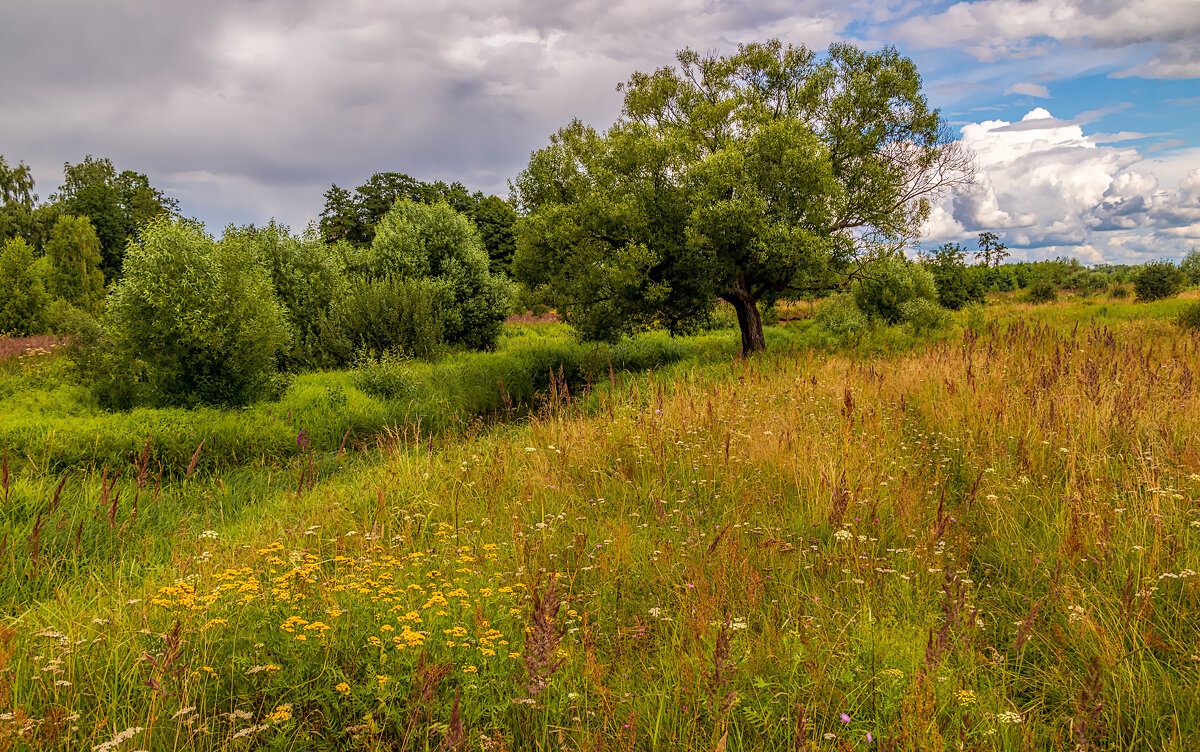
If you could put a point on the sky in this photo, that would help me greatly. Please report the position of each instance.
(1084, 115)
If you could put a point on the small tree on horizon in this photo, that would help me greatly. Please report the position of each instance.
(991, 250)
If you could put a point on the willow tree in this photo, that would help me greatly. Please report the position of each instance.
(739, 178)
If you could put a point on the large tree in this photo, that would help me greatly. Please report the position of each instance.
(117, 204)
(739, 178)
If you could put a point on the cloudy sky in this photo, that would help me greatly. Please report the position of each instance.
(1084, 114)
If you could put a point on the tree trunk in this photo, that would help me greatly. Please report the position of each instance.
(749, 321)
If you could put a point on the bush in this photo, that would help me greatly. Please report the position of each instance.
(1189, 317)
(1190, 266)
(840, 315)
(383, 376)
(308, 277)
(402, 316)
(1118, 291)
(999, 278)
(1157, 280)
(23, 297)
(423, 241)
(924, 316)
(195, 321)
(957, 284)
(888, 284)
(73, 252)
(1086, 282)
(1041, 291)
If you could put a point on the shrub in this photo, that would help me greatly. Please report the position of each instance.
(383, 376)
(1118, 291)
(308, 277)
(924, 316)
(403, 316)
(841, 315)
(957, 284)
(23, 297)
(889, 283)
(198, 322)
(1001, 279)
(1157, 280)
(423, 241)
(1190, 266)
(1041, 291)
(1086, 282)
(1189, 317)
(73, 251)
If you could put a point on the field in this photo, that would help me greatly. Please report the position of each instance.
(984, 539)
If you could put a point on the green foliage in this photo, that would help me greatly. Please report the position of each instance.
(353, 216)
(308, 276)
(957, 284)
(1189, 317)
(991, 251)
(17, 202)
(924, 316)
(1041, 291)
(742, 178)
(1001, 279)
(116, 203)
(1190, 266)
(841, 315)
(1086, 282)
(434, 242)
(401, 315)
(885, 285)
(497, 222)
(199, 322)
(384, 375)
(23, 296)
(1157, 280)
(74, 275)
(1119, 291)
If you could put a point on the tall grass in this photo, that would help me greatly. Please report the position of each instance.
(987, 542)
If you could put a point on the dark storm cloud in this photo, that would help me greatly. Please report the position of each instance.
(245, 110)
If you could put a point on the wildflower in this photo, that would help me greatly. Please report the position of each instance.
(470, 669)
(281, 714)
(344, 688)
(843, 535)
(966, 697)
(845, 718)
(116, 741)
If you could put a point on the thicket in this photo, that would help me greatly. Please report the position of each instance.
(198, 321)
(884, 287)
(1157, 280)
(23, 296)
(195, 322)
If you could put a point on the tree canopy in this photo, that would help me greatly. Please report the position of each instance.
(115, 203)
(353, 215)
(73, 251)
(739, 178)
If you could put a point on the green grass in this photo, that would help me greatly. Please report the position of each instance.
(976, 540)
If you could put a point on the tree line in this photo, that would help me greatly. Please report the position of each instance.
(727, 183)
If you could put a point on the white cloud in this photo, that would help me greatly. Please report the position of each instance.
(992, 30)
(1030, 90)
(1048, 188)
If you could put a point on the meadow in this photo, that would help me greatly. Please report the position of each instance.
(982, 538)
